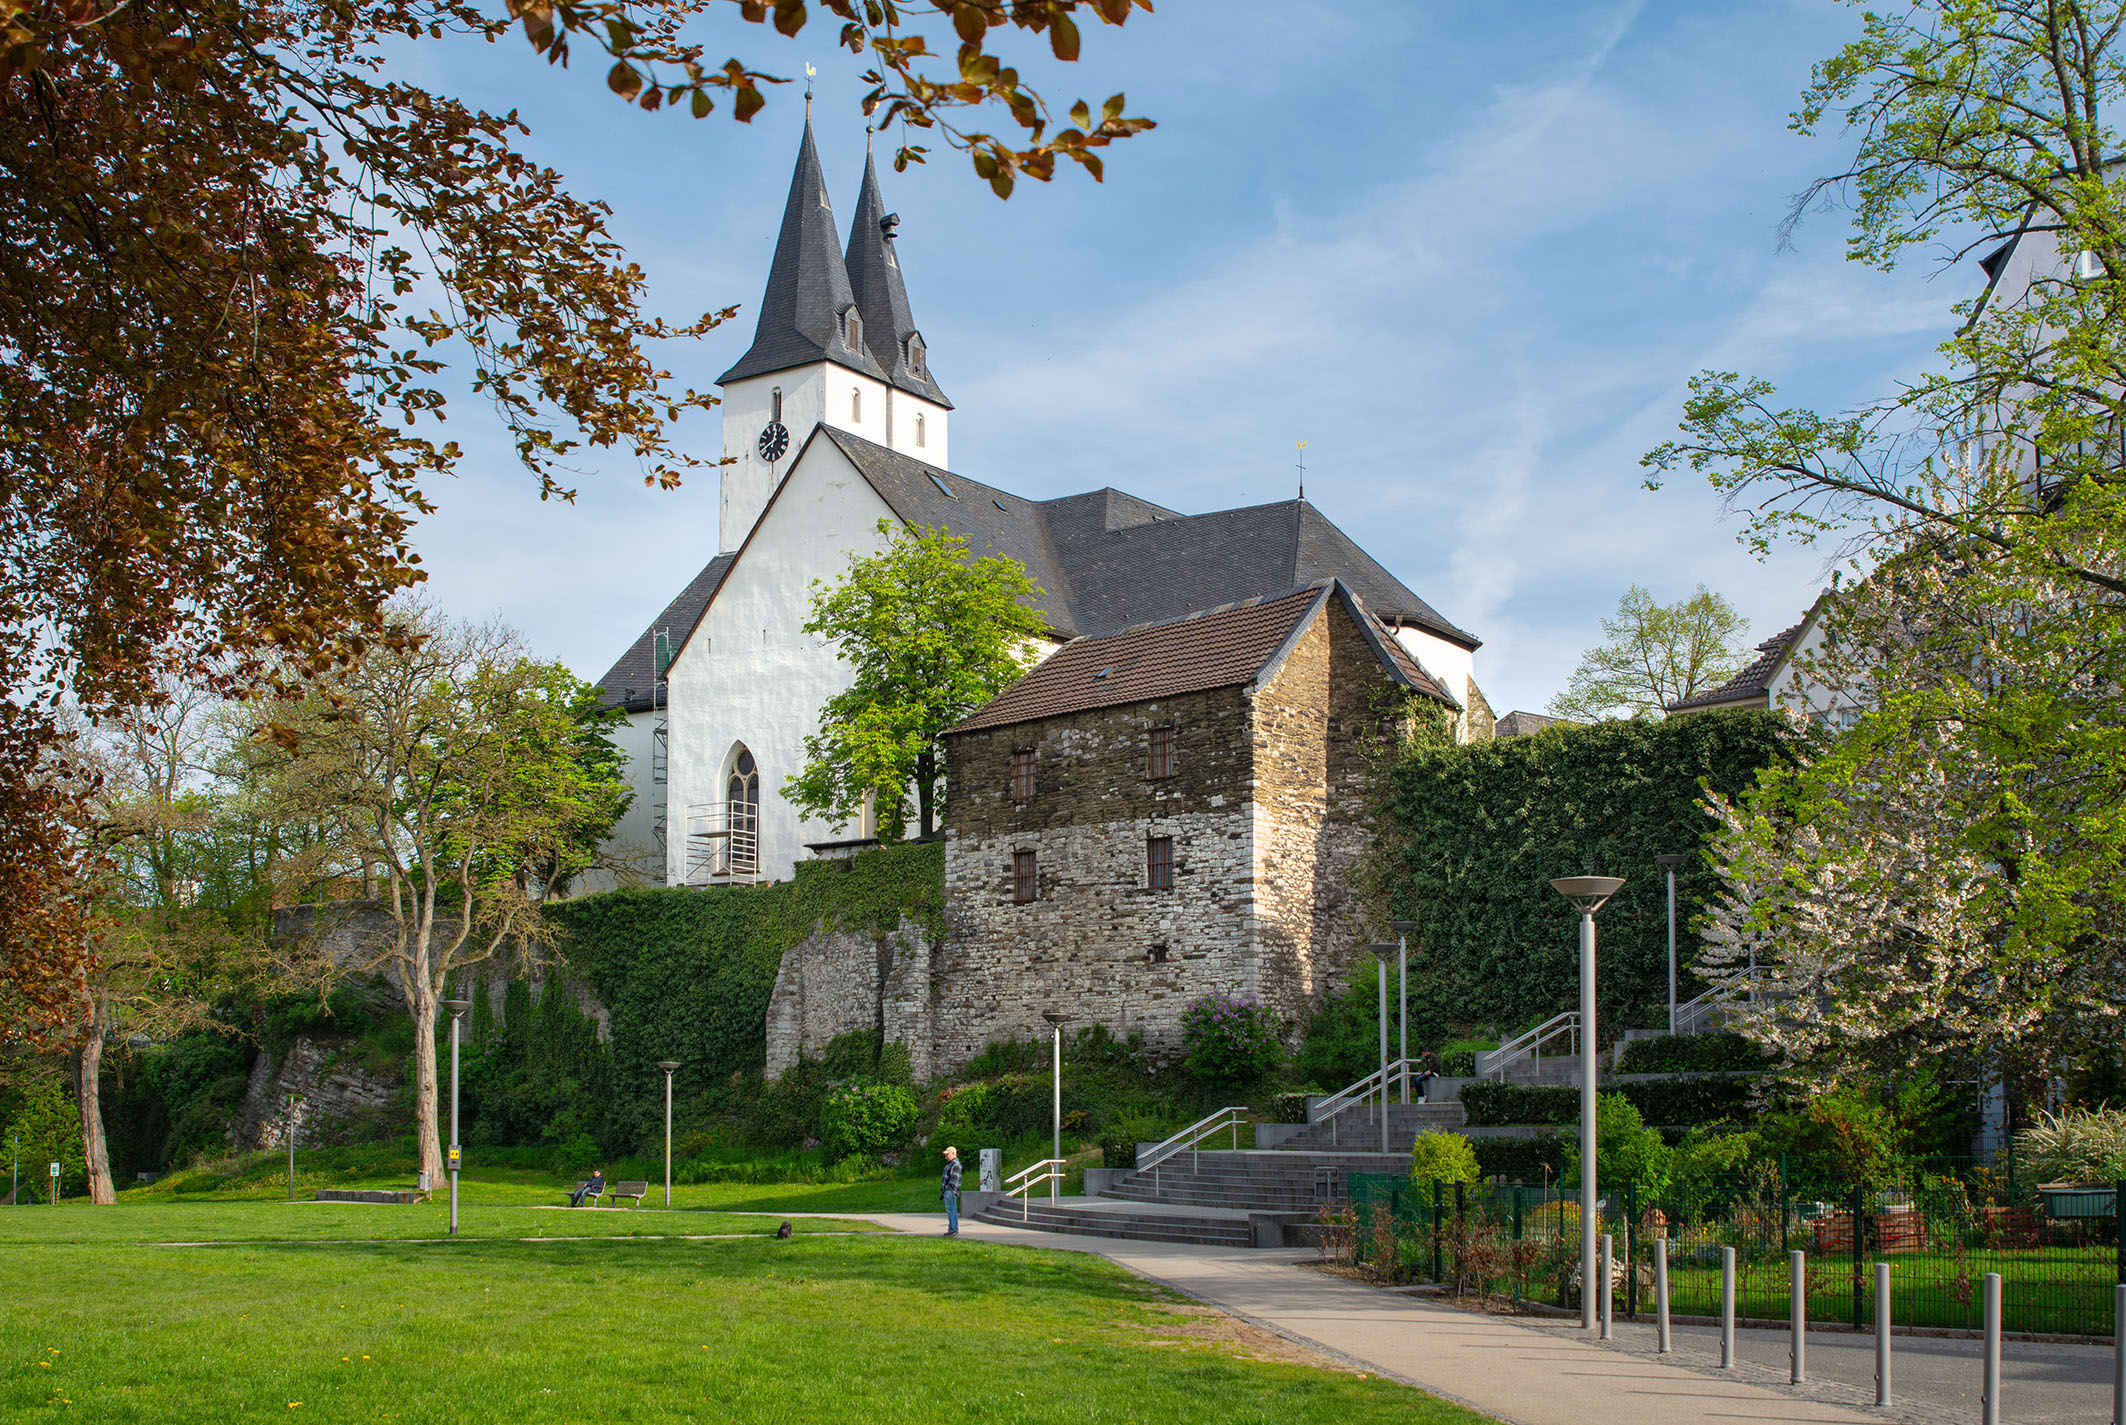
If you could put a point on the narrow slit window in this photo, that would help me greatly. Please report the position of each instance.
(1022, 877)
(1159, 863)
(1161, 762)
(856, 405)
(919, 429)
(1022, 775)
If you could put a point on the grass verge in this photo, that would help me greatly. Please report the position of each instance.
(876, 1329)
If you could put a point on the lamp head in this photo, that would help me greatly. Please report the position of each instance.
(457, 1006)
(1055, 1016)
(1402, 927)
(1379, 947)
(668, 1065)
(1587, 892)
(1669, 863)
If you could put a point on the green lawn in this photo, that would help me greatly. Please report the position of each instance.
(822, 1328)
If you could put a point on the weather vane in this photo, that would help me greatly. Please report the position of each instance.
(809, 72)
(1302, 470)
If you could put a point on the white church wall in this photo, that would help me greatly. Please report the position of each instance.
(916, 427)
(634, 836)
(1451, 663)
(750, 673)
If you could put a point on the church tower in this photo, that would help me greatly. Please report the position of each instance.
(834, 343)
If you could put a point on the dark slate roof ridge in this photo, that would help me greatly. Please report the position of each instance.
(992, 520)
(631, 681)
(873, 264)
(1340, 545)
(808, 285)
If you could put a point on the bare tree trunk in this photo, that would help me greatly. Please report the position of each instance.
(88, 1065)
(426, 1128)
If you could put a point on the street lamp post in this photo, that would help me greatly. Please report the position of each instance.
(669, 1066)
(1402, 929)
(1380, 957)
(1669, 864)
(1056, 1020)
(292, 1101)
(1587, 894)
(457, 1008)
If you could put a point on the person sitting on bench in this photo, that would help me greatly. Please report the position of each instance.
(594, 1188)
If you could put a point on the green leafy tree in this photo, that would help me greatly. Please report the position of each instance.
(1655, 655)
(930, 635)
(1444, 1155)
(451, 769)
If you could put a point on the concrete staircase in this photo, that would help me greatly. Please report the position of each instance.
(1358, 1129)
(1108, 1217)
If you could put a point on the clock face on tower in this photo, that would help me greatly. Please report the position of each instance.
(774, 442)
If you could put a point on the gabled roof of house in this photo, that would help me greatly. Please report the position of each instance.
(1220, 648)
(1106, 560)
(1755, 679)
(881, 296)
(1526, 724)
(631, 682)
(808, 286)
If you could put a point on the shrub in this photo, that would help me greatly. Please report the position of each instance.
(1690, 1101)
(2078, 1146)
(1846, 1131)
(1705, 1154)
(576, 1156)
(1290, 1107)
(1690, 1054)
(1010, 1107)
(1445, 1156)
(1521, 1160)
(1118, 1143)
(1630, 1151)
(865, 1117)
(1493, 1103)
(1230, 1039)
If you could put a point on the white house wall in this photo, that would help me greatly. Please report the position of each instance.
(1451, 663)
(750, 673)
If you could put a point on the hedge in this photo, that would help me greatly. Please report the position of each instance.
(1474, 833)
(1521, 1160)
(1690, 1053)
(1688, 1101)
(686, 972)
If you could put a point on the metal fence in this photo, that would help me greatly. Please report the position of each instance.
(2059, 1252)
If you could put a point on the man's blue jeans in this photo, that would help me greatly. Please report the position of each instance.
(952, 1213)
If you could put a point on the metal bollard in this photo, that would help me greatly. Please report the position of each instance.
(1882, 1333)
(1797, 1268)
(1989, 1401)
(2118, 1356)
(1661, 1295)
(1727, 1310)
(1607, 1277)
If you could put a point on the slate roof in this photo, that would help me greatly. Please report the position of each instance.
(808, 286)
(1753, 681)
(631, 681)
(1221, 648)
(1107, 560)
(881, 296)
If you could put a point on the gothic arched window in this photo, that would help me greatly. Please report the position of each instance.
(743, 794)
(919, 428)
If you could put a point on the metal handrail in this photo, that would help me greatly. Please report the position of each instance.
(1049, 1170)
(1497, 1061)
(1195, 1133)
(1355, 1094)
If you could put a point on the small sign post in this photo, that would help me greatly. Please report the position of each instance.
(55, 1184)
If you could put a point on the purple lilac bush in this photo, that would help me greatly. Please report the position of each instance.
(1231, 1039)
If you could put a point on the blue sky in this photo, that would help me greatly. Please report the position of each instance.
(1470, 254)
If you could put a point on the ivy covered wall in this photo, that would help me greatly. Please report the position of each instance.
(686, 972)
(1473, 834)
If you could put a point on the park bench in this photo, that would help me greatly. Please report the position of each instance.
(1888, 1232)
(636, 1191)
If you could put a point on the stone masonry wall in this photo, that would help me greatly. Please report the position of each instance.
(1096, 941)
(837, 981)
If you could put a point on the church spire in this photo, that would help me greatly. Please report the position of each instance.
(805, 312)
(882, 298)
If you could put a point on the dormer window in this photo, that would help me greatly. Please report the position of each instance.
(915, 354)
(853, 330)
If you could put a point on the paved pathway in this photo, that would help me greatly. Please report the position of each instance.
(1536, 1372)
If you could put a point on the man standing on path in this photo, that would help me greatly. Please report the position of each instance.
(949, 1189)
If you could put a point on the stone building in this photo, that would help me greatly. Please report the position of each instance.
(1173, 810)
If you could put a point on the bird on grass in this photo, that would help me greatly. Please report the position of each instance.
(783, 1231)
